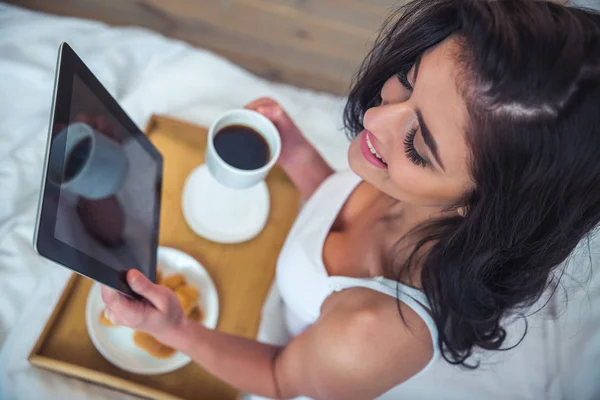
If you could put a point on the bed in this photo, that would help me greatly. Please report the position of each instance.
(150, 74)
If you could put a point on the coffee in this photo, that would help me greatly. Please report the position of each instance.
(242, 147)
(77, 159)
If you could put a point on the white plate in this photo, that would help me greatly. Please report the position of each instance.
(116, 343)
(221, 214)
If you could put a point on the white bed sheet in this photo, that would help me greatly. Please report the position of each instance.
(148, 74)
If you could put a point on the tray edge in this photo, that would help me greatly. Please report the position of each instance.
(58, 309)
(99, 378)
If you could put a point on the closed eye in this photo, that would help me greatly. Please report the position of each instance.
(411, 151)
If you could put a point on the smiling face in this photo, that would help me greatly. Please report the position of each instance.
(418, 131)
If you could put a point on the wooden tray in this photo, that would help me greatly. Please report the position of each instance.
(242, 274)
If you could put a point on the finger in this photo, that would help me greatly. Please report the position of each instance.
(282, 121)
(274, 112)
(108, 295)
(262, 101)
(155, 294)
(121, 310)
(254, 103)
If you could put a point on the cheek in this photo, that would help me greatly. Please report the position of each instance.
(357, 162)
(417, 185)
(408, 182)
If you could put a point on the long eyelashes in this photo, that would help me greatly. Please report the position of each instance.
(403, 78)
(409, 141)
(411, 152)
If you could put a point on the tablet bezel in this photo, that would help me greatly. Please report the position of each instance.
(45, 243)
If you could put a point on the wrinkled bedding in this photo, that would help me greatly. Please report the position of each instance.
(148, 73)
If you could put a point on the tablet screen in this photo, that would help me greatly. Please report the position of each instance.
(107, 203)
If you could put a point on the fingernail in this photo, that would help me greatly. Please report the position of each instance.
(136, 278)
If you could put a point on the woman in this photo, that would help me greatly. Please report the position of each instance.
(476, 145)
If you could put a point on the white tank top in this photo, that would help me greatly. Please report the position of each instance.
(302, 278)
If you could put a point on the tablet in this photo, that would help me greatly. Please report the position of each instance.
(99, 205)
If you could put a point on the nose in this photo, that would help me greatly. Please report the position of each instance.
(386, 121)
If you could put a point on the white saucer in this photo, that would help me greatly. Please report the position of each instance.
(221, 214)
(116, 343)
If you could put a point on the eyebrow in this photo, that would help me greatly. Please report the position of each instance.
(427, 136)
(429, 140)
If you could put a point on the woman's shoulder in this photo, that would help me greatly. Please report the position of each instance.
(369, 310)
(361, 334)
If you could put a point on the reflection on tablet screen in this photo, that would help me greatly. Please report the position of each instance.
(107, 204)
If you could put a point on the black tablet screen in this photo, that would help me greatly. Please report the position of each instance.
(108, 182)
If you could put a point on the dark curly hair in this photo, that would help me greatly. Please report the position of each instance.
(531, 81)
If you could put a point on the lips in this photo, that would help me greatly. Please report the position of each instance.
(369, 151)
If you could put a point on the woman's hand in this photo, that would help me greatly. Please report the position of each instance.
(159, 314)
(293, 142)
(299, 159)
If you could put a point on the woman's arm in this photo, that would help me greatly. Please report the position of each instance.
(299, 159)
(243, 363)
(356, 350)
(307, 169)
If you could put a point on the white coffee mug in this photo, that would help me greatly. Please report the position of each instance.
(225, 173)
(103, 171)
